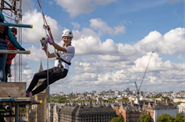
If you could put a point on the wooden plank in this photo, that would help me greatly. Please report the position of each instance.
(12, 89)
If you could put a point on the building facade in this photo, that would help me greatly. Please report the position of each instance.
(182, 108)
(132, 112)
(81, 112)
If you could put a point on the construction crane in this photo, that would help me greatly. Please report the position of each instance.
(139, 88)
(12, 11)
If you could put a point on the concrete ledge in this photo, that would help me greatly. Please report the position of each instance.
(12, 89)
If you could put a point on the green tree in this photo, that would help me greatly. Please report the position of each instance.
(125, 99)
(179, 118)
(165, 98)
(145, 118)
(117, 119)
(165, 118)
(57, 99)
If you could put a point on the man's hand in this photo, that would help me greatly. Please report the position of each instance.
(22, 49)
(50, 41)
(44, 43)
(44, 47)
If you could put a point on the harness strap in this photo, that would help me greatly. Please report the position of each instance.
(59, 58)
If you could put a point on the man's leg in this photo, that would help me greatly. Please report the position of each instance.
(2, 67)
(2, 62)
(9, 70)
(1, 118)
(58, 74)
(6, 73)
(38, 76)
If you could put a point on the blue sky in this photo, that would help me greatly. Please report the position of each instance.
(113, 41)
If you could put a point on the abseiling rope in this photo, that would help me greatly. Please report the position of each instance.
(45, 25)
(46, 28)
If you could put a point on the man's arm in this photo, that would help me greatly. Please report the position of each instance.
(13, 40)
(59, 48)
(48, 54)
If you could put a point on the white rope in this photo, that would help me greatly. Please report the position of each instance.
(47, 66)
(183, 24)
(47, 53)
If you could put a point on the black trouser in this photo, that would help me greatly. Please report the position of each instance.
(54, 75)
(7, 70)
(1, 118)
(3, 56)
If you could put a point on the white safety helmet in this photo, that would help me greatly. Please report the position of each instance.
(67, 32)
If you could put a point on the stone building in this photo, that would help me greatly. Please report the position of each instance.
(56, 112)
(182, 108)
(164, 108)
(32, 116)
(131, 112)
(50, 107)
(84, 112)
(39, 113)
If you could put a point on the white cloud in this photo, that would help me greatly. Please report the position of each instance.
(109, 58)
(37, 32)
(102, 27)
(86, 77)
(88, 42)
(114, 74)
(169, 44)
(113, 77)
(76, 8)
(81, 7)
(87, 45)
(36, 54)
(84, 33)
(76, 25)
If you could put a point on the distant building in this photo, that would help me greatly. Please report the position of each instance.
(127, 90)
(56, 112)
(131, 112)
(179, 100)
(83, 112)
(39, 112)
(93, 91)
(182, 108)
(117, 93)
(165, 108)
(32, 116)
(50, 110)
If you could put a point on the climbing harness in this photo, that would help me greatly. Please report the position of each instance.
(58, 57)
(59, 62)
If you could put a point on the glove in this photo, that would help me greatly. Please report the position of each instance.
(43, 41)
(49, 40)
(44, 47)
(22, 49)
